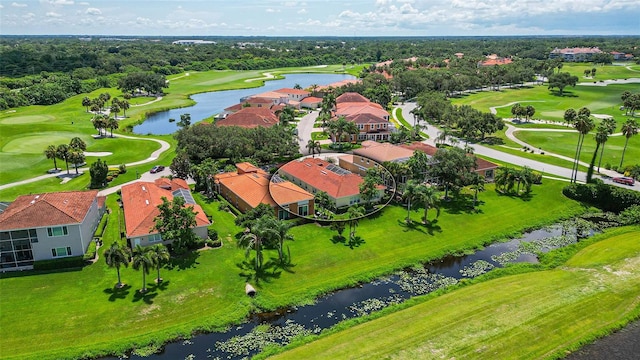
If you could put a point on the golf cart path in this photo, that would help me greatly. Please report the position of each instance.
(164, 146)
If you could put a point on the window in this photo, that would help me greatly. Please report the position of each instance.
(303, 210)
(155, 238)
(61, 251)
(57, 231)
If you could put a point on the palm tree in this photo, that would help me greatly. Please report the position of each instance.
(530, 111)
(62, 152)
(352, 129)
(610, 125)
(583, 124)
(52, 153)
(116, 256)
(76, 156)
(86, 102)
(160, 255)
(115, 108)
(477, 184)
(142, 260)
(409, 193)
(505, 179)
(354, 213)
(313, 146)
(570, 116)
(286, 115)
(112, 123)
(124, 105)
(251, 241)
(428, 196)
(99, 122)
(629, 129)
(77, 143)
(280, 231)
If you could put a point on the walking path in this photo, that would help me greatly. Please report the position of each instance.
(164, 146)
(555, 171)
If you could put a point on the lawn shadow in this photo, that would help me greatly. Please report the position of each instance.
(564, 93)
(116, 293)
(266, 273)
(21, 273)
(492, 140)
(161, 286)
(147, 296)
(411, 226)
(462, 203)
(338, 239)
(183, 262)
(523, 196)
(354, 242)
(432, 227)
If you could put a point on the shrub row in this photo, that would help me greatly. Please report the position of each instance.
(55, 264)
(101, 226)
(91, 251)
(603, 196)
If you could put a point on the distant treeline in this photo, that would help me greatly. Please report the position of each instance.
(20, 56)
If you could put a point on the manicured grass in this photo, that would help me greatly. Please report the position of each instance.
(206, 291)
(565, 144)
(527, 316)
(319, 135)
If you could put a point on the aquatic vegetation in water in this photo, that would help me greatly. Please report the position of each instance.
(476, 269)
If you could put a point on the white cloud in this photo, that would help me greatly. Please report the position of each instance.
(93, 11)
(273, 10)
(61, 2)
(15, 4)
(52, 14)
(84, 3)
(302, 11)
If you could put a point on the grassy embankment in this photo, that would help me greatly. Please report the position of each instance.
(206, 291)
(532, 315)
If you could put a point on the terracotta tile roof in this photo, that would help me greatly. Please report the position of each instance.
(246, 167)
(499, 61)
(140, 202)
(292, 91)
(427, 149)
(250, 117)
(252, 187)
(286, 192)
(316, 174)
(351, 97)
(271, 95)
(366, 119)
(49, 209)
(381, 152)
(311, 99)
(485, 164)
(353, 108)
(234, 108)
(338, 84)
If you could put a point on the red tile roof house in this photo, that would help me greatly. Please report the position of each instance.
(314, 175)
(360, 161)
(249, 102)
(140, 202)
(371, 118)
(294, 94)
(48, 226)
(249, 118)
(250, 186)
(311, 102)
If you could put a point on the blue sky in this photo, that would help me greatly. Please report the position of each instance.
(320, 17)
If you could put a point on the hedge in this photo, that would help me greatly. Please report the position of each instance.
(64, 263)
(603, 196)
(90, 254)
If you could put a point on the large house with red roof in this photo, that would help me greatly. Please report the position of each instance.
(315, 175)
(250, 186)
(574, 54)
(249, 118)
(140, 202)
(48, 226)
(371, 118)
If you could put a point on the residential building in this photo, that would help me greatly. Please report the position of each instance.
(295, 95)
(371, 118)
(250, 117)
(373, 154)
(311, 102)
(48, 226)
(315, 175)
(140, 201)
(250, 186)
(493, 60)
(574, 54)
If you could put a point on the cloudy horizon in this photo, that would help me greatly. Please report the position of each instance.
(320, 18)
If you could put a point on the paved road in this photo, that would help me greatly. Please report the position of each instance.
(512, 159)
(305, 128)
(164, 146)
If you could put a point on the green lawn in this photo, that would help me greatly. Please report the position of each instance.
(206, 291)
(565, 144)
(527, 316)
(319, 135)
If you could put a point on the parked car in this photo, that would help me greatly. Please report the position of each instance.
(156, 169)
(624, 180)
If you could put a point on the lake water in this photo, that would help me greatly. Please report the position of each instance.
(243, 340)
(214, 102)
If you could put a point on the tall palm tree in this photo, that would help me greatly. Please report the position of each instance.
(86, 102)
(355, 212)
(429, 197)
(115, 109)
(124, 105)
(610, 125)
(477, 184)
(629, 129)
(76, 156)
(251, 241)
(112, 123)
(51, 153)
(286, 115)
(62, 152)
(280, 231)
(505, 179)
(583, 124)
(351, 129)
(313, 146)
(142, 260)
(409, 193)
(117, 256)
(160, 256)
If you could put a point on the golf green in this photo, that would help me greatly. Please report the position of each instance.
(38, 142)
(26, 119)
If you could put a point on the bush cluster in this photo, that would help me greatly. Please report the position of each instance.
(91, 251)
(603, 196)
(55, 264)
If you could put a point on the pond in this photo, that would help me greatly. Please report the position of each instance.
(214, 102)
(281, 326)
